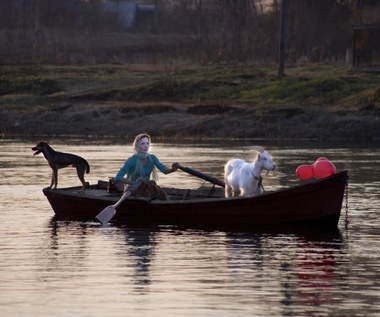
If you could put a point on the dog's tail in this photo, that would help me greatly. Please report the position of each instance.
(87, 167)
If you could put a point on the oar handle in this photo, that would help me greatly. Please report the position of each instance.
(122, 198)
(130, 191)
(107, 213)
(205, 177)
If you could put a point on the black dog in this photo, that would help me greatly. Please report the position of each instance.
(59, 160)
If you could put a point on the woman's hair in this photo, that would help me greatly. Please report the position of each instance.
(138, 139)
(138, 171)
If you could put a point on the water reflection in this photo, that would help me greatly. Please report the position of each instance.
(297, 269)
(68, 249)
(140, 247)
(136, 250)
(303, 264)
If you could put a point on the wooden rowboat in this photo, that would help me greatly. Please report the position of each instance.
(316, 203)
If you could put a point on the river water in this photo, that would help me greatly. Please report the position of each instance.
(58, 268)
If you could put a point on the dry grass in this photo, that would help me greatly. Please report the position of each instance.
(181, 100)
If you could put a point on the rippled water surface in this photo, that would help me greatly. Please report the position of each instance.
(57, 268)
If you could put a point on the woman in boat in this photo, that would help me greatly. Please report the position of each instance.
(142, 164)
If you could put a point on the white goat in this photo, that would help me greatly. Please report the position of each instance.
(244, 179)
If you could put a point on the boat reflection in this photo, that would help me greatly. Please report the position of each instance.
(301, 262)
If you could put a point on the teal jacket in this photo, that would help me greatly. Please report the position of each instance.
(130, 165)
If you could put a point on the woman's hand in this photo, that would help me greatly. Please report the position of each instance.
(175, 166)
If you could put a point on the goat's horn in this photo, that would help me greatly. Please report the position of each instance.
(258, 148)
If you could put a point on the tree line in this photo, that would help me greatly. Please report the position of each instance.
(202, 31)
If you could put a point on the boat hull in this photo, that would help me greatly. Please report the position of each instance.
(316, 203)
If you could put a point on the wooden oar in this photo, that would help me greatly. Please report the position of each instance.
(109, 212)
(205, 177)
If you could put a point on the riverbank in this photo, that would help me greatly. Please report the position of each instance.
(321, 102)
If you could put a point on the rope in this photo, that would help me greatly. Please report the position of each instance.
(260, 183)
(346, 222)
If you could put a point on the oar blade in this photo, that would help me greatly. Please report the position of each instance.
(106, 214)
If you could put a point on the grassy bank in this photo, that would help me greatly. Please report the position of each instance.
(187, 100)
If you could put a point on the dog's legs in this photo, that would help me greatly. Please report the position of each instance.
(55, 178)
(52, 180)
(80, 172)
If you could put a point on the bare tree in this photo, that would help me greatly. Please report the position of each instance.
(200, 30)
